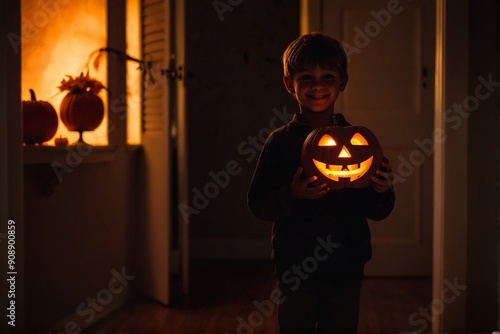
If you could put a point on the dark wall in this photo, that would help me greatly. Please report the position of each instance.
(484, 157)
(76, 241)
(234, 82)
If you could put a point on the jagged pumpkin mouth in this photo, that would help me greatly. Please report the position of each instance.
(354, 171)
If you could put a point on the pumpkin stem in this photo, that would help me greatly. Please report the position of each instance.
(32, 94)
(335, 120)
(338, 120)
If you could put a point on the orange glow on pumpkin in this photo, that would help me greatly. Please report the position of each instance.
(342, 157)
(353, 171)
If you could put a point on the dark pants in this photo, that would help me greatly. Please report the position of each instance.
(322, 308)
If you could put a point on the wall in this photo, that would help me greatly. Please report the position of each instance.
(484, 178)
(234, 90)
(79, 227)
(76, 242)
(79, 260)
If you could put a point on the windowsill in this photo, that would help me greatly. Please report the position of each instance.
(68, 154)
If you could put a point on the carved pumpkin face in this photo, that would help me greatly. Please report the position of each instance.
(341, 157)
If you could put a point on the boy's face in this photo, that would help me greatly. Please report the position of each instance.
(316, 89)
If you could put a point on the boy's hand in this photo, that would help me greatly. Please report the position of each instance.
(300, 187)
(383, 180)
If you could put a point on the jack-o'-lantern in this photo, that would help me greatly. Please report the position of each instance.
(341, 157)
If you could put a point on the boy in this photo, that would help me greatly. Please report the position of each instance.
(321, 238)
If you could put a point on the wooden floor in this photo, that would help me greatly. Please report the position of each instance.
(226, 294)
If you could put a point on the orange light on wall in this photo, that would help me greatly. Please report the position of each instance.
(57, 39)
(134, 75)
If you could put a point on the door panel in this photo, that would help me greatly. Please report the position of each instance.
(390, 90)
(155, 245)
(164, 240)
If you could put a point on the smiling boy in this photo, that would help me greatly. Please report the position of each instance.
(320, 291)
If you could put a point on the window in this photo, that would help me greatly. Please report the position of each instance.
(59, 38)
(134, 76)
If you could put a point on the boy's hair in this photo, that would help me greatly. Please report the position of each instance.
(313, 49)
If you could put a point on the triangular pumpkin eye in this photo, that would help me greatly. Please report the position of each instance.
(327, 140)
(358, 139)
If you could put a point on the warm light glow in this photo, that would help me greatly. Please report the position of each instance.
(57, 39)
(358, 139)
(344, 153)
(134, 77)
(354, 172)
(349, 164)
(327, 140)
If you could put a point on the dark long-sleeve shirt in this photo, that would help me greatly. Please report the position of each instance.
(334, 226)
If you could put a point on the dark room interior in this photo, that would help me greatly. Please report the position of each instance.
(145, 228)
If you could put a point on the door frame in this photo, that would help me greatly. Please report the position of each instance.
(182, 142)
(449, 219)
(450, 185)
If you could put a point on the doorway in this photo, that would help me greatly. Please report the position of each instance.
(391, 91)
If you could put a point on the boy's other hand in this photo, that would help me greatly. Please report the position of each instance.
(300, 188)
(383, 180)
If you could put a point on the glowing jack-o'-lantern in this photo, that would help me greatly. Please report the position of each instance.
(341, 157)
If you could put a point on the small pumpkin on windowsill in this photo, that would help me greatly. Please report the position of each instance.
(61, 141)
(82, 108)
(40, 121)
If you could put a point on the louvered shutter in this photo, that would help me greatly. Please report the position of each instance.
(155, 252)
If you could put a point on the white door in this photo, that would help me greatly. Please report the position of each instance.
(155, 242)
(165, 157)
(390, 45)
